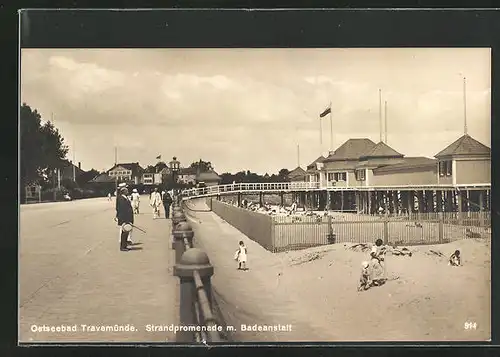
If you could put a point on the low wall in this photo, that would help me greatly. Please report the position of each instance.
(256, 226)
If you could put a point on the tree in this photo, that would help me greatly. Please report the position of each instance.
(42, 147)
(160, 166)
(283, 175)
(202, 166)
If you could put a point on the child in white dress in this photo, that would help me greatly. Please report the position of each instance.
(241, 256)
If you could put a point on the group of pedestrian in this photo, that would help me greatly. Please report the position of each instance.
(127, 206)
(158, 199)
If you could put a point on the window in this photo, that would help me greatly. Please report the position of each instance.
(340, 176)
(330, 176)
(360, 175)
(445, 168)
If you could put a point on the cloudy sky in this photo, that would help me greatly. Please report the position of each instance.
(249, 108)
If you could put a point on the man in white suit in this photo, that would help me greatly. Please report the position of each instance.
(155, 202)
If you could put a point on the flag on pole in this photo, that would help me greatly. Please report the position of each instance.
(158, 157)
(326, 112)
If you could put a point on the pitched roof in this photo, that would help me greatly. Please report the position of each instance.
(465, 146)
(297, 172)
(67, 169)
(352, 149)
(132, 166)
(208, 176)
(340, 165)
(188, 171)
(312, 165)
(408, 163)
(103, 178)
(382, 150)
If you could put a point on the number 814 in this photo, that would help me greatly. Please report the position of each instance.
(470, 325)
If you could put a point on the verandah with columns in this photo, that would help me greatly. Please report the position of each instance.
(396, 202)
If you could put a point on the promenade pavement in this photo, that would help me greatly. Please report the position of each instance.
(71, 273)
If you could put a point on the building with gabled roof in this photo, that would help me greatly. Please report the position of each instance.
(465, 161)
(126, 172)
(209, 178)
(298, 174)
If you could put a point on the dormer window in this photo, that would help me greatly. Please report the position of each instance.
(445, 168)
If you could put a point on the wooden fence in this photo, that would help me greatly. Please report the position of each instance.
(282, 233)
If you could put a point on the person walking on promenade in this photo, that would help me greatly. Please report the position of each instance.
(124, 217)
(109, 196)
(135, 200)
(241, 256)
(155, 202)
(167, 201)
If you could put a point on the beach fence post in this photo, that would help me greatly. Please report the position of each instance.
(440, 227)
(331, 238)
(386, 230)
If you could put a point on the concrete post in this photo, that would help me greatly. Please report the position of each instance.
(441, 227)
(178, 217)
(193, 259)
(181, 231)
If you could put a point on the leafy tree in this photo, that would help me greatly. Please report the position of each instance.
(159, 166)
(283, 175)
(42, 147)
(202, 166)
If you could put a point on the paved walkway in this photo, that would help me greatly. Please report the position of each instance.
(72, 273)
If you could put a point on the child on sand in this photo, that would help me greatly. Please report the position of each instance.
(378, 269)
(364, 279)
(241, 256)
(455, 259)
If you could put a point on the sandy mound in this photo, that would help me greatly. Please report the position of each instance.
(315, 290)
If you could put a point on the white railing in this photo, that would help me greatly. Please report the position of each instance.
(305, 186)
(249, 187)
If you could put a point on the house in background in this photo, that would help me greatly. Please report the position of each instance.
(69, 171)
(465, 161)
(127, 172)
(187, 176)
(209, 178)
(297, 175)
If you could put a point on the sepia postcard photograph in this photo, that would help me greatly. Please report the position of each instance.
(191, 195)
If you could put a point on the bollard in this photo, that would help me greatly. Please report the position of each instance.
(178, 217)
(193, 259)
(182, 230)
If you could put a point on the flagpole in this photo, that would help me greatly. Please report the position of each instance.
(320, 137)
(331, 129)
(74, 176)
(116, 177)
(465, 108)
(298, 155)
(385, 115)
(380, 111)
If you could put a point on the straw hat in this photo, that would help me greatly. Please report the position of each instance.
(134, 190)
(122, 185)
(127, 227)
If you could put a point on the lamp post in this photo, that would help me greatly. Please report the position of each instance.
(174, 167)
